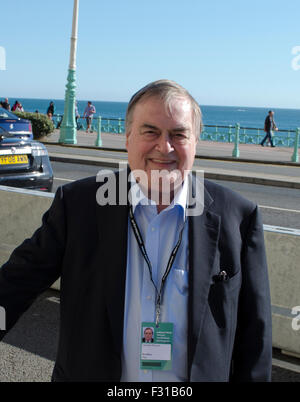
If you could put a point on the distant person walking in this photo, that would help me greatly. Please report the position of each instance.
(51, 110)
(269, 126)
(89, 111)
(5, 104)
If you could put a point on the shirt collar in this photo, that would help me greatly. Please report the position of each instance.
(137, 197)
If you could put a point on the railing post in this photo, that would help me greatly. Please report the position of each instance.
(295, 157)
(119, 126)
(202, 132)
(229, 133)
(98, 142)
(236, 152)
(58, 119)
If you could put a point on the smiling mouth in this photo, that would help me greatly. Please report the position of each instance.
(162, 161)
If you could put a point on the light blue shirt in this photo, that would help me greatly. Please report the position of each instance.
(160, 234)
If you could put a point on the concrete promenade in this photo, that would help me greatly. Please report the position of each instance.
(256, 164)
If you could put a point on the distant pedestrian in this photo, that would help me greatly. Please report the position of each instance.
(17, 107)
(268, 128)
(77, 115)
(89, 111)
(14, 106)
(51, 110)
(5, 104)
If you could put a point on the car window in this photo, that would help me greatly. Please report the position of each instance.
(3, 115)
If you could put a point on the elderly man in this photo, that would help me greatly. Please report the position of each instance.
(148, 335)
(200, 279)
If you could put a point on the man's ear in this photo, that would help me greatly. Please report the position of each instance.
(127, 138)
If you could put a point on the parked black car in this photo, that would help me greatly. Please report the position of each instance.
(24, 162)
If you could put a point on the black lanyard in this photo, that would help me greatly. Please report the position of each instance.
(142, 247)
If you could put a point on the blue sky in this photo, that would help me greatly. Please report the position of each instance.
(229, 52)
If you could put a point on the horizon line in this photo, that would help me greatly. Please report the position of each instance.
(201, 105)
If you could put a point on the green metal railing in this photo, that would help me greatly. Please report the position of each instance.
(247, 135)
(217, 133)
(108, 125)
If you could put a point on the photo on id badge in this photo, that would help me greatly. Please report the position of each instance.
(156, 346)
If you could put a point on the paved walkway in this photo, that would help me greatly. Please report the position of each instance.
(256, 164)
(249, 152)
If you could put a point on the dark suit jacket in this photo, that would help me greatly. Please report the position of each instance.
(229, 323)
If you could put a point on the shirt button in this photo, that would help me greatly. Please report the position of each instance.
(152, 229)
(145, 371)
(148, 297)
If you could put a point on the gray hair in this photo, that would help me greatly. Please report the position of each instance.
(166, 90)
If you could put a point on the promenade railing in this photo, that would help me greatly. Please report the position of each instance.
(108, 124)
(216, 133)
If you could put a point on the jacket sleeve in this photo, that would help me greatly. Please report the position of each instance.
(34, 265)
(252, 356)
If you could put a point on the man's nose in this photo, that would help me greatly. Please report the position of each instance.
(164, 144)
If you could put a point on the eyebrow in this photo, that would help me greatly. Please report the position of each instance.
(176, 129)
(149, 126)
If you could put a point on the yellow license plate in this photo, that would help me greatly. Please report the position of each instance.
(13, 159)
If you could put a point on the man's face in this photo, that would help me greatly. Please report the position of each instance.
(161, 139)
(148, 334)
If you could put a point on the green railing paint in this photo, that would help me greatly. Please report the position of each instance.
(295, 157)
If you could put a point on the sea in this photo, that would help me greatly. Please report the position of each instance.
(252, 117)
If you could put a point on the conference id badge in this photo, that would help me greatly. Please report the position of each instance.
(156, 346)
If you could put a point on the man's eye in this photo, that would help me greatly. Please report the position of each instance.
(179, 137)
(150, 133)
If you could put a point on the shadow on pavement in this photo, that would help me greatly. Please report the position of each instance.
(37, 329)
(37, 333)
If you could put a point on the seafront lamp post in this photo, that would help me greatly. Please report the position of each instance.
(68, 128)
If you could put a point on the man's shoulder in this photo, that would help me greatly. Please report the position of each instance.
(226, 199)
(86, 186)
(85, 183)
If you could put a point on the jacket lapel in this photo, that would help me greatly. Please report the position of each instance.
(203, 239)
